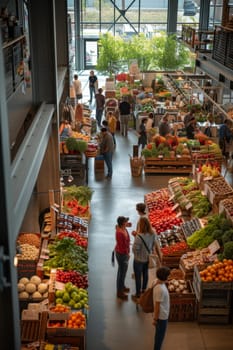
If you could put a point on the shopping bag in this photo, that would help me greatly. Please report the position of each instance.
(152, 261)
(146, 300)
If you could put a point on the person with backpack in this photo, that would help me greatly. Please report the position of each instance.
(161, 302)
(144, 243)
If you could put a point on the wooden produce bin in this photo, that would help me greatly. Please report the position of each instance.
(183, 307)
(216, 190)
(136, 165)
(214, 300)
(167, 166)
(34, 330)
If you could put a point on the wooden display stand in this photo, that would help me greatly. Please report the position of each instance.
(168, 166)
(99, 165)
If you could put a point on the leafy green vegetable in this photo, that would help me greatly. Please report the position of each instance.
(228, 250)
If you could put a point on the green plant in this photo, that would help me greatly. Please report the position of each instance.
(72, 144)
(81, 146)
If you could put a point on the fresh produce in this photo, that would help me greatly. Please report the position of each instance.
(227, 251)
(29, 238)
(215, 228)
(158, 199)
(28, 252)
(197, 258)
(227, 204)
(178, 286)
(65, 254)
(219, 186)
(56, 324)
(82, 194)
(175, 248)
(81, 241)
(32, 288)
(75, 208)
(200, 203)
(219, 271)
(59, 308)
(164, 219)
(77, 320)
(210, 169)
(76, 298)
(75, 277)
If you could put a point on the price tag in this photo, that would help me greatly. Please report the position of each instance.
(43, 256)
(175, 206)
(207, 178)
(205, 190)
(178, 214)
(214, 247)
(44, 302)
(59, 285)
(171, 198)
(160, 156)
(211, 197)
(188, 206)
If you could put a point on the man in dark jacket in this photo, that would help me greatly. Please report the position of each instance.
(125, 109)
(100, 102)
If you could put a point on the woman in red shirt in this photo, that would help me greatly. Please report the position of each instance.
(122, 255)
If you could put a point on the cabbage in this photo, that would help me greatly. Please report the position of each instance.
(23, 295)
(42, 288)
(30, 287)
(24, 280)
(21, 287)
(36, 295)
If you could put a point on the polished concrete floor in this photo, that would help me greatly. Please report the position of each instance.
(114, 324)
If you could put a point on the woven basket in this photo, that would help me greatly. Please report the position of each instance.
(136, 165)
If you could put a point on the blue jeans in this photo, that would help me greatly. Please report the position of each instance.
(92, 92)
(122, 260)
(108, 160)
(160, 331)
(98, 116)
(141, 275)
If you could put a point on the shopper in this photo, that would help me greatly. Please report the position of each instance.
(93, 85)
(112, 124)
(188, 117)
(144, 241)
(100, 102)
(191, 128)
(141, 210)
(77, 85)
(65, 130)
(106, 149)
(125, 109)
(225, 137)
(142, 139)
(122, 250)
(161, 306)
(149, 126)
(164, 127)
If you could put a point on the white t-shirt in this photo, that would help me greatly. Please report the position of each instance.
(161, 294)
(149, 124)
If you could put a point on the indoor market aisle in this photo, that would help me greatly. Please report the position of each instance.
(114, 324)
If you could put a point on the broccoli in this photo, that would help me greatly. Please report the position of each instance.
(227, 236)
(228, 250)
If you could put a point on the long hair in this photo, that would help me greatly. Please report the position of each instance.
(144, 226)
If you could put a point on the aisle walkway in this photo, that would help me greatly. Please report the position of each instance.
(114, 324)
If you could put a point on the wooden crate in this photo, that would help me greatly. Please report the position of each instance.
(213, 196)
(33, 330)
(183, 307)
(169, 166)
(136, 165)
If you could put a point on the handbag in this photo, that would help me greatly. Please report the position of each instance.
(146, 300)
(152, 257)
(113, 258)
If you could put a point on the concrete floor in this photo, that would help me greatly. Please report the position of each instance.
(114, 324)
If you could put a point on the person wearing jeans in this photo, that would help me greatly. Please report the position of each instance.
(161, 301)
(122, 256)
(106, 149)
(144, 243)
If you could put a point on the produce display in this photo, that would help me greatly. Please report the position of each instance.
(158, 199)
(210, 169)
(28, 252)
(219, 271)
(210, 151)
(178, 286)
(227, 204)
(81, 241)
(72, 296)
(32, 288)
(66, 254)
(219, 186)
(176, 248)
(214, 230)
(76, 200)
(189, 227)
(29, 238)
(197, 258)
(170, 237)
(200, 203)
(77, 320)
(164, 219)
(78, 279)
